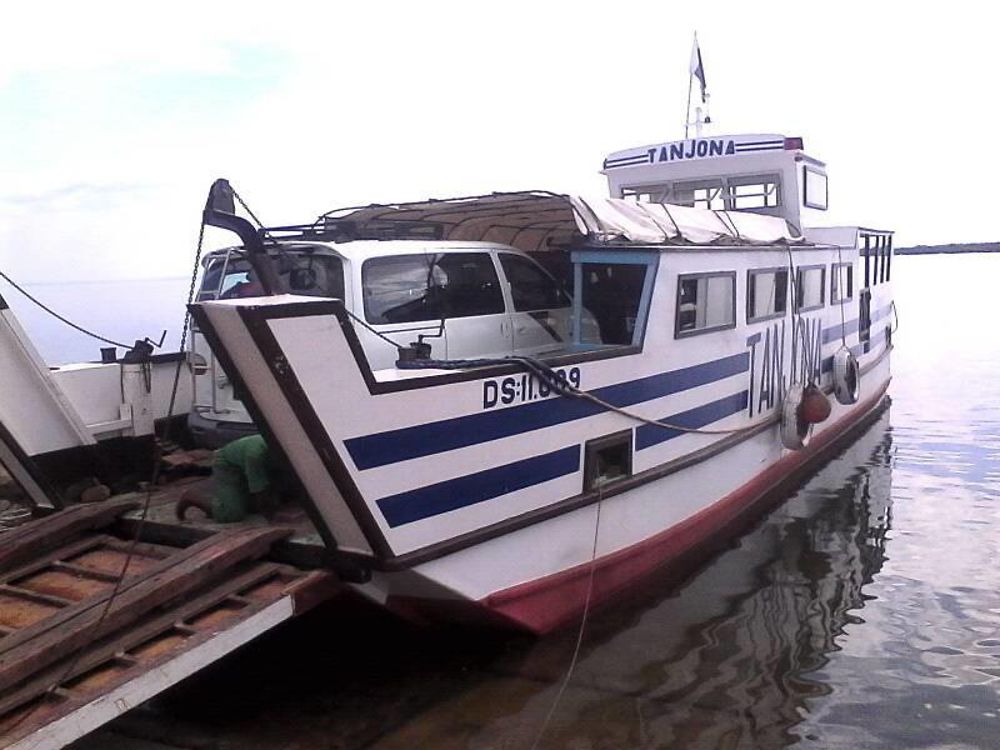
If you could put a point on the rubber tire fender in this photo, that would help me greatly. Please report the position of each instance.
(846, 377)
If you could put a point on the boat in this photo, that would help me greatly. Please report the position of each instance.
(88, 424)
(715, 341)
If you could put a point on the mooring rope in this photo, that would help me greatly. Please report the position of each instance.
(59, 317)
(95, 631)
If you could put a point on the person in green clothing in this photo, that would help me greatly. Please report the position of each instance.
(245, 482)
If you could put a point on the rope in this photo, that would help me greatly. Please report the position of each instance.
(579, 635)
(59, 317)
(382, 336)
(95, 632)
(564, 388)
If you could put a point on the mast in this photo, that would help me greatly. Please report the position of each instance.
(696, 69)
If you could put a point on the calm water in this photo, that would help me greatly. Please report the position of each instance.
(863, 613)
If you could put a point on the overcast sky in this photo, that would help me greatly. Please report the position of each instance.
(117, 117)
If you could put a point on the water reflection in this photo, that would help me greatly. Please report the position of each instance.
(728, 660)
(827, 626)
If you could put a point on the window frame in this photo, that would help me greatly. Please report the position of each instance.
(806, 201)
(822, 287)
(681, 278)
(751, 272)
(650, 260)
(834, 277)
(888, 257)
(763, 179)
(701, 183)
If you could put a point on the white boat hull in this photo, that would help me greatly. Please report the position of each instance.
(464, 510)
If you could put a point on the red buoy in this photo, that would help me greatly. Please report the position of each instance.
(815, 406)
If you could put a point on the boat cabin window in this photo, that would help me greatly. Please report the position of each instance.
(705, 302)
(877, 252)
(755, 191)
(814, 188)
(867, 252)
(640, 195)
(430, 286)
(531, 288)
(733, 193)
(767, 293)
(700, 194)
(230, 276)
(841, 282)
(887, 259)
(612, 293)
(810, 288)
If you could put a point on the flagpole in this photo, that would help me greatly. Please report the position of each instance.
(687, 112)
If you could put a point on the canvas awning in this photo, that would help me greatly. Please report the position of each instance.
(538, 221)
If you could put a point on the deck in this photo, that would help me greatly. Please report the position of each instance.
(94, 621)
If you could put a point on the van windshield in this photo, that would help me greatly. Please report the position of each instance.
(230, 276)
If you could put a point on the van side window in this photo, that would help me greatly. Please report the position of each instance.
(810, 288)
(705, 302)
(408, 288)
(842, 282)
(531, 287)
(767, 293)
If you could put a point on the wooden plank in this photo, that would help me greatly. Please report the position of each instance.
(34, 596)
(92, 623)
(76, 718)
(26, 541)
(313, 589)
(161, 565)
(84, 572)
(48, 558)
(143, 632)
(156, 551)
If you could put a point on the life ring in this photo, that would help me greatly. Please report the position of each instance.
(794, 429)
(846, 377)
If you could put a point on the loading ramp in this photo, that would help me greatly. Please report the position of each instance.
(80, 644)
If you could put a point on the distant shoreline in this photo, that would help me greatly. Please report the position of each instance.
(968, 247)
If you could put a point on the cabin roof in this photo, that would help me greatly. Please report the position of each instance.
(535, 221)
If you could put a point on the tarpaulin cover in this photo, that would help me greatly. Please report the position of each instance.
(537, 221)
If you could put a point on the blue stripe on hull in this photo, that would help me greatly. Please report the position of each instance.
(384, 448)
(834, 332)
(442, 497)
(649, 435)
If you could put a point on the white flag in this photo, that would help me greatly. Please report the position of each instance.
(697, 68)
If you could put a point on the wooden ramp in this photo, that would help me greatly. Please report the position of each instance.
(80, 643)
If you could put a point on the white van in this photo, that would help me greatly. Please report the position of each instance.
(465, 299)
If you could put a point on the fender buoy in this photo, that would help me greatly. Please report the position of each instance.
(846, 377)
(794, 429)
(815, 406)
